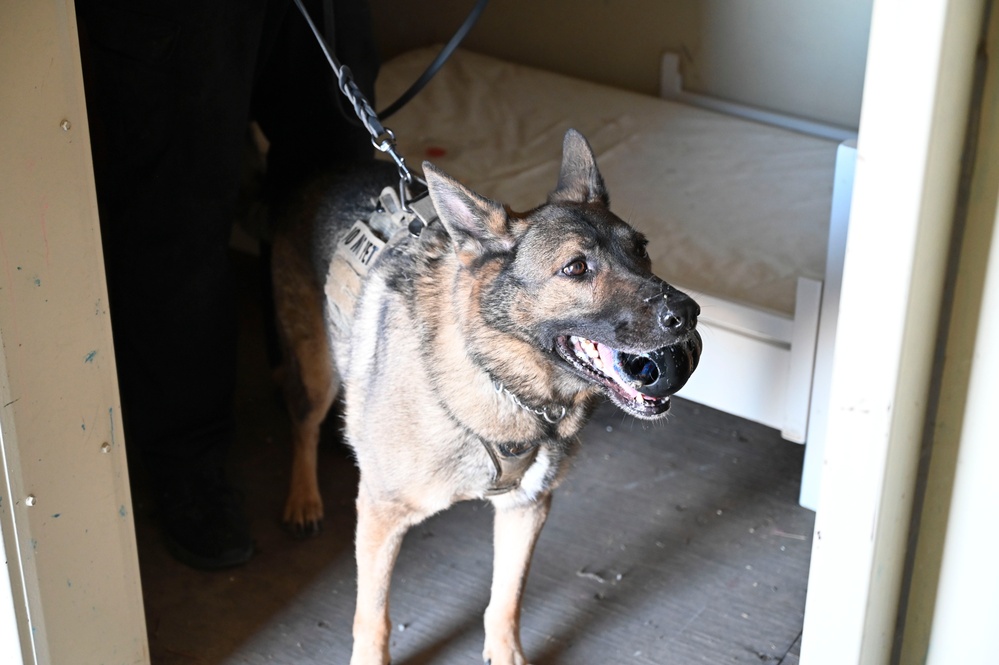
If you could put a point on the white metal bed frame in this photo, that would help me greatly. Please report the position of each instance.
(769, 367)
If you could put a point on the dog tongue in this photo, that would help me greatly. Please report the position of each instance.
(609, 358)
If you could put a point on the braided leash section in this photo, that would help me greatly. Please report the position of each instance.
(366, 114)
(381, 137)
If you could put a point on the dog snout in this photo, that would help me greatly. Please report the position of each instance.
(679, 312)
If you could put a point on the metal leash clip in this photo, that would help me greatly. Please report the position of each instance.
(382, 138)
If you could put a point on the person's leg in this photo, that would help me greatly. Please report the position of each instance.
(168, 88)
(297, 103)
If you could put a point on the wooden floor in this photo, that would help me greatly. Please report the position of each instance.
(672, 544)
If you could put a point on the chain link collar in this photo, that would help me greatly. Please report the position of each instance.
(552, 414)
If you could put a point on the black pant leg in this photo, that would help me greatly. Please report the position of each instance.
(296, 99)
(168, 88)
(298, 104)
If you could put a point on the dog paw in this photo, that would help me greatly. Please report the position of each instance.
(505, 654)
(303, 530)
(519, 660)
(303, 518)
(369, 656)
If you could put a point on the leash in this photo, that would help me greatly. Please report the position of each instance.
(438, 62)
(382, 138)
(361, 245)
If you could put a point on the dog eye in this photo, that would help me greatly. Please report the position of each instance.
(642, 251)
(576, 268)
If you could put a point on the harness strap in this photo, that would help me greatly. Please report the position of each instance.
(424, 214)
(512, 460)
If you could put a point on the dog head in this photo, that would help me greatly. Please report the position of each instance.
(575, 282)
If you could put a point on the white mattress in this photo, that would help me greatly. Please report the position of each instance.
(732, 208)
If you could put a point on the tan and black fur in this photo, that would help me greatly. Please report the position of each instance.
(467, 348)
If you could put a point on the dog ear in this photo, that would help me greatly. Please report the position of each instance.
(476, 225)
(579, 180)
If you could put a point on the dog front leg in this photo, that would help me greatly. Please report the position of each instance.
(303, 509)
(380, 530)
(515, 534)
(310, 386)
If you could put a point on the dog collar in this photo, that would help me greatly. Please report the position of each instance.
(552, 413)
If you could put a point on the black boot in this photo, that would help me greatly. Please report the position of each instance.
(203, 521)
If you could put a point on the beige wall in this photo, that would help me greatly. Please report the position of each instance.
(803, 59)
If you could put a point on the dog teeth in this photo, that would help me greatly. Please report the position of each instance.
(587, 351)
(585, 347)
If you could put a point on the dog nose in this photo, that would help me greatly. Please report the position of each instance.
(679, 313)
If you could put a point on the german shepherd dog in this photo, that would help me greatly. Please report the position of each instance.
(470, 358)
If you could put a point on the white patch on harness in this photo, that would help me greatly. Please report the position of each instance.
(531, 485)
(355, 254)
(360, 246)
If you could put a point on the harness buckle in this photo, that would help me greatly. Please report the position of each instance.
(424, 214)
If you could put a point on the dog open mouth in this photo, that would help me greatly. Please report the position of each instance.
(640, 384)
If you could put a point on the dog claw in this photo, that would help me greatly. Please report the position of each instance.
(303, 514)
(303, 530)
(504, 658)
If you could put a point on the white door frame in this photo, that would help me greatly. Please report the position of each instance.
(912, 129)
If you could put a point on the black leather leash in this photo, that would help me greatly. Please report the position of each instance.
(511, 461)
(438, 62)
(382, 137)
